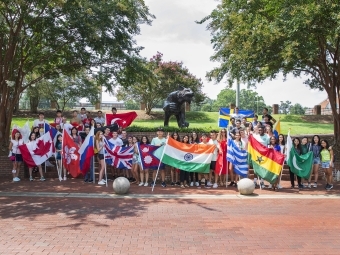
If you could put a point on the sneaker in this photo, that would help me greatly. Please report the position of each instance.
(163, 184)
(270, 186)
(16, 179)
(315, 185)
(301, 186)
(186, 185)
(209, 184)
(42, 178)
(197, 184)
(262, 185)
(152, 184)
(141, 184)
(172, 184)
(309, 185)
(31, 178)
(191, 184)
(178, 183)
(255, 183)
(330, 186)
(146, 184)
(101, 182)
(207, 187)
(279, 186)
(231, 184)
(65, 178)
(90, 181)
(86, 180)
(215, 186)
(292, 187)
(326, 186)
(182, 186)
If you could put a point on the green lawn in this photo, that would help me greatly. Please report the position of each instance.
(208, 120)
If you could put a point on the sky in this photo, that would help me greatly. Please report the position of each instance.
(175, 34)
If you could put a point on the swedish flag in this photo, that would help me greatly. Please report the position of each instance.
(225, 114)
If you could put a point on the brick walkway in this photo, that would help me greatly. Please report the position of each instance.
(64, 225)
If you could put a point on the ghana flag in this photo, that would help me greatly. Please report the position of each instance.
(267, 163)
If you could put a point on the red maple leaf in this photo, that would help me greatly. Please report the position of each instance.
(42, 148)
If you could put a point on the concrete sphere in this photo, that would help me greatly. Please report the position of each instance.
(121, 185)
(246, 186)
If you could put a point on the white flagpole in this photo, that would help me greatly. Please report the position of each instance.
(93, 159)
(61, 154)
(44, 134)
(160, 161)
(105, 161)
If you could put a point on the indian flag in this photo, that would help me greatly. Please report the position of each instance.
(267, 163)
(187, 157)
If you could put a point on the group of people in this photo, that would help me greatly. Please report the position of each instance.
(239, 129)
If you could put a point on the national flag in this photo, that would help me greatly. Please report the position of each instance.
(118, 156)
(277, 129)
(122, 119)
(300, 165)
(238, 157)
(86, 152)
(187, 157)
(36, 152)
(78, 126)
(267, 162)
(225, 114)
(148, 160)
(47, 127)
(70, 155)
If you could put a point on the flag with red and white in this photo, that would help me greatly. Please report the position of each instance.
(148, 160)
(122, 119)
(70, 155)
(118, 156)
(36, 152)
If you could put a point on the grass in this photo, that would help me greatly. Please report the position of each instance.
(208, 120)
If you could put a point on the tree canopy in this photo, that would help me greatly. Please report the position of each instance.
(258, 39)
(44, 38)
(163, 78)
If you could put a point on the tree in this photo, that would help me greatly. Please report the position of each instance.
(40, 39)
(66, 89)
(131, 105)
(284, 107)
(163, 78)
(297, 109)
(258, 39)
(249, 99)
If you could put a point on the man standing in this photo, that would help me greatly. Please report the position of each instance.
(270, 118)
(76, 120)
(264, 140)
(117, 142)
(213, 136)
(204, 138)
(40, 122)
(100, 119)
(159, 141)
(236, 129)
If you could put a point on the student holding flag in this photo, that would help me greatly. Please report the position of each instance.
(16, 156)
(327, 157)
(100, 143)
(316, 149)
(297, 148)
(144, 141)
(32, 138)
(59, 149)
(159, 141)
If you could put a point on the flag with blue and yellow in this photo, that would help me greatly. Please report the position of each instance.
(277, 129)
(225, 114)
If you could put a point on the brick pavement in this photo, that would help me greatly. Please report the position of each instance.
(63, 225)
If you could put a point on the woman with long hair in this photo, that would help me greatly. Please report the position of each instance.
(193, 139)
(16, 141)
(36, 131)
(32, 138)
(297, 148)
(174, 171)
(58, 148)
(76, 138)
(282, 143)
(327, 157)
(144, 141)
(184, 175)
(221, 163)
(241, 146)
(273, 144)
(100, 143)
(135, 161)
(315, 147)
(127, 172)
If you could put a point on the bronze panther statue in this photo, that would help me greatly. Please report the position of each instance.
(175, 105)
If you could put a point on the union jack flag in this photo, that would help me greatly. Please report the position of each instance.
(118, 156)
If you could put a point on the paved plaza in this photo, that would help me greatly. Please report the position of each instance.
(72, 217)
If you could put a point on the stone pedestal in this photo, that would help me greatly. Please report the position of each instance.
(97, 106)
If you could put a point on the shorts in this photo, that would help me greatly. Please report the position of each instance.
(101, 156)
(316, 161)
(212, 165)
(18, 157)
(326, 164)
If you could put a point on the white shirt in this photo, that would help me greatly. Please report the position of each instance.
(215, 142)
(15, 146)
(39, 123)
(100, 120)
(117, 141)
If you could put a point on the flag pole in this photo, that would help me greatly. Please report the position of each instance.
(44, 134)
(61, 154)
(93, 159)
(105, 163)
(159, 165)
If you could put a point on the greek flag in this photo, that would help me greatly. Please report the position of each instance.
(237, 157)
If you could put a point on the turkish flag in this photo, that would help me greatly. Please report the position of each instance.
(70, 155)
(122, 119)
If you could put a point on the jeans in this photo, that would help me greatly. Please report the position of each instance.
(184, 176)
(192, 176)
(292, 179)
(89, 174)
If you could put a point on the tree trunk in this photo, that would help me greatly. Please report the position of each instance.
(34, 103)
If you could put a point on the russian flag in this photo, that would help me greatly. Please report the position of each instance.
(86, 151)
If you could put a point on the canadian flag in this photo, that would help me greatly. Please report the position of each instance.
(70, 155)
(36, 152)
